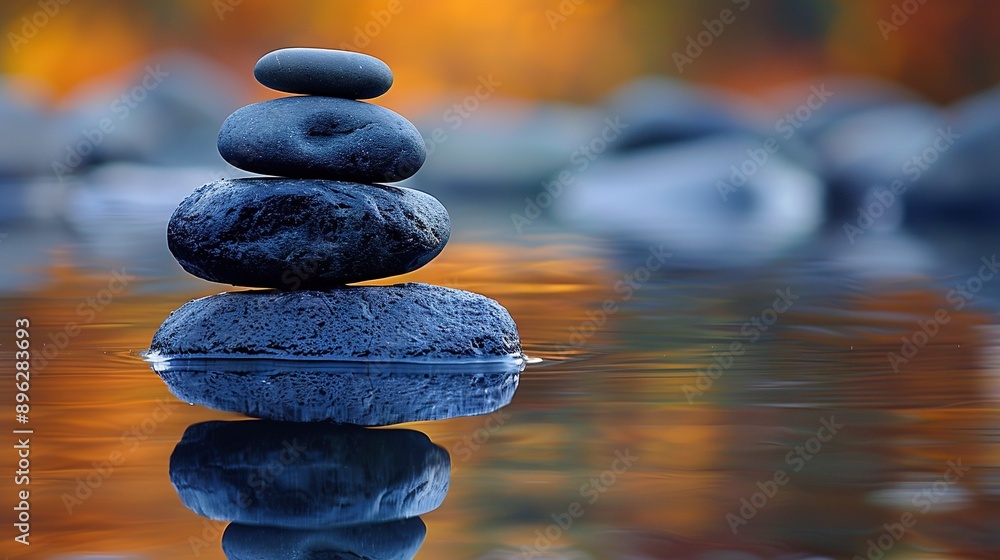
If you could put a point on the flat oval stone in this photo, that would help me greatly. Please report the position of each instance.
(403, 322)
(328, 72)
(394, 540)
(307, 475)
(313, 234)
(322, 138)
(360, 392)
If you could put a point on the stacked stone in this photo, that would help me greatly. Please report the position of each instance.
(363, 355)
(326, 222)
(322, 220)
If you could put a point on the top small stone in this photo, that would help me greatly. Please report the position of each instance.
(331, 73)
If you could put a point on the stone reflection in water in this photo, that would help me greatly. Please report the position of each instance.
(395, 540)
(312, 475)
(362, 393)
(295, 490)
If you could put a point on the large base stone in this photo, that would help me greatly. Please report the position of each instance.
(404, 322)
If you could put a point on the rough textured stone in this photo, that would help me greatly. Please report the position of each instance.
(294, 233)
(330, 475)
(327, 72)
(395, 540)
(362, 393)
(322, 138)
(389, 323)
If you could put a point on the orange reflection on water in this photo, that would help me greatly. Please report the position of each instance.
(106, 425)
(623, 391)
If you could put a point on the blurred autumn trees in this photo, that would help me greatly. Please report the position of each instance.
(559, 49)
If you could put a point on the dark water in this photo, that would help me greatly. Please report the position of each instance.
(769, 411)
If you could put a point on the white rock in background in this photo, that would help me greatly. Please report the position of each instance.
(672, 195)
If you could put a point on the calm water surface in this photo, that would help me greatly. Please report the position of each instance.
(695, 413)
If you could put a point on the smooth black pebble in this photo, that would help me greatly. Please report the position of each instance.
(294, 234)
(313, 137)
(328, 72)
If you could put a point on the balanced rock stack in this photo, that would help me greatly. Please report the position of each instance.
(321, 221)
